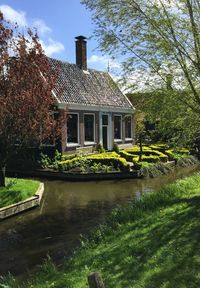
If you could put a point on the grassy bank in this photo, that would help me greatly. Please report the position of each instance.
(17, 190)
(153, 242)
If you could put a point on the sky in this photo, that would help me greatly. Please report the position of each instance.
(57, 23)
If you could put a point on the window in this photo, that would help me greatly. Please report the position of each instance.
(89, 127)
(104, 119)
(117, 127)
(128, 127)
(72, 128)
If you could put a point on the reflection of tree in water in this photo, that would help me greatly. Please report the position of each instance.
(53, 234)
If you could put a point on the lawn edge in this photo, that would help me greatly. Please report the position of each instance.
(22, 206)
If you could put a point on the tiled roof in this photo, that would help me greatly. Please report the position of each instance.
(91, 87)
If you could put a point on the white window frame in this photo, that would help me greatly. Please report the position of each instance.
(117, 140)
(89, 142)
(73, 144)
(128, 139)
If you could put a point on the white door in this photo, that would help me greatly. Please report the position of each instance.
(106, 130)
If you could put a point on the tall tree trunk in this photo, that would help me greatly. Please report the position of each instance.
(141, 151)
(2, 176)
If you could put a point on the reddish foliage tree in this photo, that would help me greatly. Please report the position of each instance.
(26, 86)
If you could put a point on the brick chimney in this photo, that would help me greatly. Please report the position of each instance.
(81, 52)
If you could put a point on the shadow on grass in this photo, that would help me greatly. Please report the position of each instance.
(160, 250)
(8, 197)
(157, 245)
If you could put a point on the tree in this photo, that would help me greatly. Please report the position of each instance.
(173, 122)
(161, 37)
(25, 92)
(140, 130)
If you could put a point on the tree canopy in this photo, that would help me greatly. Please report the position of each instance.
(26, 84)
(173, 122)
(160, 38)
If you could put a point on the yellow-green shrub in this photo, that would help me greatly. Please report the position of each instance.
(129, 157)
(67, 165)
(109, 159)
(148, 152)
(151, 158)
(159, 147)
(175, 154)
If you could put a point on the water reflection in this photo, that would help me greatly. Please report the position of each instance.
(68, 209)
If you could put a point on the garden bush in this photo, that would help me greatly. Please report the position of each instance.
(108, 159)
(115, 148)
(176, 154)
(44, 161)
(151, 158)
(98, 167)
(147, 151)
(77, 162)
(112, 161)
(128, 156)
(100, 148)
(138, 165)
(159, 147)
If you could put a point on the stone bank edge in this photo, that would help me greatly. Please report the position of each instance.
(24, 205)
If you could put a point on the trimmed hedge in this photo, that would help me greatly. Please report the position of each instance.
(151, 158)
(109, 159)
(147, 152)
(177, 154)
(128, 156)
(159, 147)
(67, 165)
(118, 160)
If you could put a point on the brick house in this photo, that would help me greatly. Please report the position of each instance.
(98, 111)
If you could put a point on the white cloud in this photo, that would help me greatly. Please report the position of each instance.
(104, 61)
(51, 47)
(14, 16)
(41, 26)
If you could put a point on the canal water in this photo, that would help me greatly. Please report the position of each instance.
(68, 209)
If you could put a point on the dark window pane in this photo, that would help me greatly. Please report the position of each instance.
(89, 127)
(72, 128)
(117, 127)
(104, 119)
(128, 127)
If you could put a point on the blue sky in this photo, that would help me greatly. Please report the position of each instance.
(58, 22)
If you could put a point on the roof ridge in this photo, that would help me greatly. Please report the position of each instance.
(66, 62)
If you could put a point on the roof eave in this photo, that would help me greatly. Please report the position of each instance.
(101, 108)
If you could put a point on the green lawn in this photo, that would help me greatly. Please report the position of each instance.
(153, 242)
(17, 190)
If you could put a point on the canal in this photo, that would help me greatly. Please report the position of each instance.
(68, 210)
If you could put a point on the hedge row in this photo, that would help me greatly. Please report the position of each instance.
(119, 161)
(159, 147)
(109, 159)
(128, 156)
(147, 154)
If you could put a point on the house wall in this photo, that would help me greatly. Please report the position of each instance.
(92, 146)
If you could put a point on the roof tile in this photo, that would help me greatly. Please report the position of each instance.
(91, 87)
